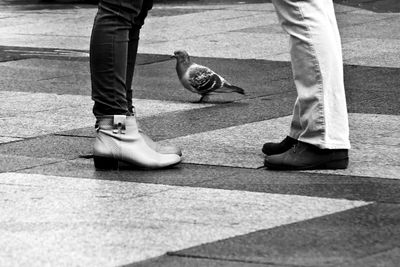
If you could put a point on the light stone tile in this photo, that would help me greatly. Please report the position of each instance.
(50, 220)
(375, 145)
(25, 114)
(52, 66)
(375, 129)
(265, 7)
(245, 7)
(344, 8)
(352, 20)
(42, 23)
(46, 41)
(224, 45)
(386, 60)
(285, 57)
(237, 146)
(209, 22)
(364, 50)
(4, 139)
(209, 33)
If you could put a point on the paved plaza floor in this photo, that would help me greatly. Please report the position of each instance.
(219, 207)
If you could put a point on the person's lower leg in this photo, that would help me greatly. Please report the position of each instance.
(320, 113)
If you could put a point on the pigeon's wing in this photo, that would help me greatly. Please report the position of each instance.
(203, 79)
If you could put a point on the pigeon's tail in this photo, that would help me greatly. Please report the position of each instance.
(234, 88)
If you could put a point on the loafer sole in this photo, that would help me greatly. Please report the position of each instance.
(330, 165)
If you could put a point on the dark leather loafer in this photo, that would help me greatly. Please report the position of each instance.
(303, 156)
(278, 148)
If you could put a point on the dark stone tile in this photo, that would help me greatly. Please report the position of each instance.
(9, 53)
(373, 102)
(389, 258)
(372, 78)
(325, 241)
(49, 146)
(260, 180)
(372, 89)
(10, 163)
(181, 123)
(368, 89)
(377, 29)
(221, 116)
(310, 184)
(257, 77)
(180, 175)
(176, 261)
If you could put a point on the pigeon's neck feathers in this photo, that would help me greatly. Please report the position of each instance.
(182, 66)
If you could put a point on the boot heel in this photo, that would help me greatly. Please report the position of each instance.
(102, 163)
(337, 164)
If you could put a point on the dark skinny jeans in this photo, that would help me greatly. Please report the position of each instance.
(113, 49)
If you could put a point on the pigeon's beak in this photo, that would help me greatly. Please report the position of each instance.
(173, 56)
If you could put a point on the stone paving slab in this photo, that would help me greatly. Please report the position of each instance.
(356, 19)
(167, 126)
(111, 222)
(258, 77)
(359, 51)
(34, 114)
(382, 6)
(55, 207)
(373, 102)
(230, 178)
(373, 136)
(173, 261)
(371, 78)
(49, 146)
(44, 28)
(385, 258)
(181, 175)
(10, 163)
(8, 139)
(376, 29)
(324, 241)
(310, 184)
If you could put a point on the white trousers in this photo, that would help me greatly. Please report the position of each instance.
(320, 112)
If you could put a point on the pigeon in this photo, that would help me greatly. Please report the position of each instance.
(201, 79)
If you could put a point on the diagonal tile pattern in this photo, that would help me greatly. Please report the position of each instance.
(372, 136)
(218, 208)
(32, 114)
(48, 219)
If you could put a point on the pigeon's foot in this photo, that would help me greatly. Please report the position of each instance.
(203, 98)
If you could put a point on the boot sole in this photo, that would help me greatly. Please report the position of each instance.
(331, 165)
(104, 164)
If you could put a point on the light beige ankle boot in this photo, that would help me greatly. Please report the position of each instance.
(118, 140)
(155, 146)
(159, 148)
